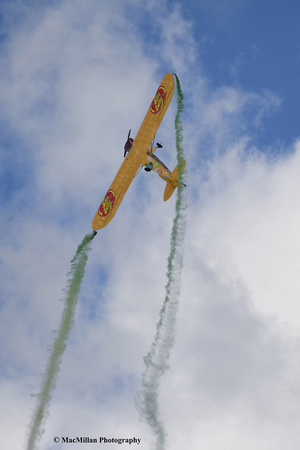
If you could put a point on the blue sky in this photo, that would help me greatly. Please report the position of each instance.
(254, 46)
(74, 77)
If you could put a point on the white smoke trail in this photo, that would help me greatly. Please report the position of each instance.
(157, 359)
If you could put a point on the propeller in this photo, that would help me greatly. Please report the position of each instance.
(128, 144)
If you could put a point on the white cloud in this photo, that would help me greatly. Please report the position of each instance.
(251, 219)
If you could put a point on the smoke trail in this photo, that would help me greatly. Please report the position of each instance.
(156, 361)
(76, 274)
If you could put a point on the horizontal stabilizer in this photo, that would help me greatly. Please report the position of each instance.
(173, 183)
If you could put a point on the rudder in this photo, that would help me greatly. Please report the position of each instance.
(169, 189)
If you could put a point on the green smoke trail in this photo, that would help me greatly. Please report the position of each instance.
(156, 361)
(76, 274)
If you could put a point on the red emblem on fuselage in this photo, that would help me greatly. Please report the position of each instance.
(107, 203)
(159, 100)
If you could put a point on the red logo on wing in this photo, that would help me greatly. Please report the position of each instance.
(159, 100)
(107, 203)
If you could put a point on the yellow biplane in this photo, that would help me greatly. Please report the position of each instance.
(139, 153)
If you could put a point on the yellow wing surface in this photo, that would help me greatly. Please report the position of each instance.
(136, 156)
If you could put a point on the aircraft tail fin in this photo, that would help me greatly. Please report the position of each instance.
(173, 183)
(169, 189)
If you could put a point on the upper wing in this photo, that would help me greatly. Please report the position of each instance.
(136, 156)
